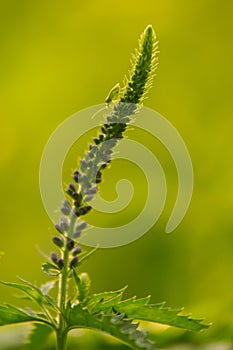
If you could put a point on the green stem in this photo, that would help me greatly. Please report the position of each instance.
(62, 294)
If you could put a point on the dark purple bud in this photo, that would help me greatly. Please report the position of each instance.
(60, 263)
(58, 241)
(78, 212)
(98, 180)
(103, 130)
(74, 262)
(77, 203)
(101, 137)
(103, 166)
(54, 257)
(75, 195)
(76, 178)
(70, 189)
(70, 244)
(97, 141)
(85, 210)
(59, 228)
(77, 251)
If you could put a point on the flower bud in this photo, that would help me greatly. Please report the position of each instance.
(96, 140)
(103, 166)
(101, 137)
(76, 176)
(60, 263)
(77, 234)
(65, 210)
(71, 189)
(74, 262)
(89, 197)
(66, 203)
(81, 226)
(92, 190)
(59, 228)
(70, 244)
(64, 223)
(77, 251)
(77, 203)
(83, 165)
(54, 257)
(58, 241)
(85, 210)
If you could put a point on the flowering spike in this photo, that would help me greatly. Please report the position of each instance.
(143, 69)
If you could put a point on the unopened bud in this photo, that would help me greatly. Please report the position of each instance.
(60, 263)
(77, 234)
(74, 262)
(58, 241)
(65, 210)
(59, 228)
(77, 251)
(70, 244)
(81, 226)
(54, 257)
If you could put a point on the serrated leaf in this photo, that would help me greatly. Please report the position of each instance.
(83, 283)
(45, 299)
(140, 309)
(116, 325)
(50, 269)
(10, 314)
(32, 293)
(38, 336)
(103, 297)
(107, 305)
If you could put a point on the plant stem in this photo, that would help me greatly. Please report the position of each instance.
(62, 293)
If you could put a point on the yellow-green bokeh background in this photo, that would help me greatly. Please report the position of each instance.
(59, 57)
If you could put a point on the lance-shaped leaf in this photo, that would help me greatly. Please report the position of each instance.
(10, 314)
(116, 325)
(33, 292)
(139, 309)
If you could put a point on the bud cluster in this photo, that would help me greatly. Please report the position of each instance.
(72, 248)
(99, 155)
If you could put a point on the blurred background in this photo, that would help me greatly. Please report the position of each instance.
(60, 57)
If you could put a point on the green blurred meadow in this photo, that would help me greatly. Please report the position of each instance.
(60, 57)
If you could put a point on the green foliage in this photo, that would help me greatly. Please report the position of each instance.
(104, 311)
(10, 314)
(38, 336)
(117, 325)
